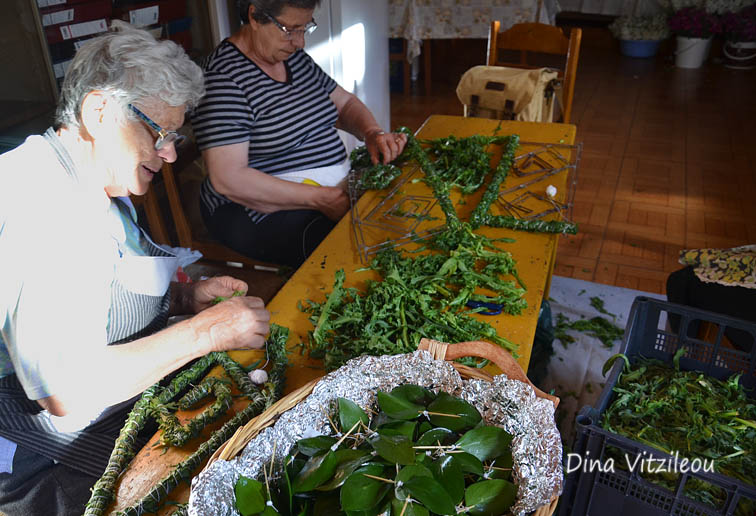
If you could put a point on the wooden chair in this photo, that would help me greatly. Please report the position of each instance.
(529, 40)
(195, 235)
(149, 203)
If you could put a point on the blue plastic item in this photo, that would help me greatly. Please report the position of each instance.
(639, 48)
(491, 308)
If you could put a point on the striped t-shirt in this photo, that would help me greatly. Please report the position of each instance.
(289, 125)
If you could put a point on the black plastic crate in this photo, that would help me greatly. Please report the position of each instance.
(593, 489)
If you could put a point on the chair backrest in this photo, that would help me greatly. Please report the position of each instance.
(528, 41)
(193, 237)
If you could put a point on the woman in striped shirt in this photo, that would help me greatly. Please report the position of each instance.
(267, 128)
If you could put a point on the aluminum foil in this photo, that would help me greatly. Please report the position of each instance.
(510, 404)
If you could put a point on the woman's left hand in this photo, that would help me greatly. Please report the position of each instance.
(204, 292)
(388, 145)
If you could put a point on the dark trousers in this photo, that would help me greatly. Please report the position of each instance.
(284, 237)
(684, 288)
(40, 487)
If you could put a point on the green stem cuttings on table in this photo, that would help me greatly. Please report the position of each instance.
(426, 296)
(418, 297)
(156, 403)
(689, 413)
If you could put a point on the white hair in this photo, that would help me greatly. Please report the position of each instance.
(132, 66)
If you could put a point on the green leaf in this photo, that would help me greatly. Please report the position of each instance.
(469, 463)
(327, 504)
(396, 449)
(424, 427)
(405, 428)
(486, 442)
(437, 435)
(431, 494)
(316, 471)
(315, 445)
(269, 511)
(407, 509)
(348, 461)
(414, 394)
(609, 363)
(349, 414)
(676, 359)
(449, 474)
(398, 408)
(407, 472)
(490, 497)
(501, 468)
(361, 493)
(462, 414)
(249, 496)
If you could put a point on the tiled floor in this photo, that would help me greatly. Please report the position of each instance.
(668, 161)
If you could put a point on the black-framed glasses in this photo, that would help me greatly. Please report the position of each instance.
(309, 28)
(164, 136)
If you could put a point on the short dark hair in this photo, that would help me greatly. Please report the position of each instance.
(271, 7)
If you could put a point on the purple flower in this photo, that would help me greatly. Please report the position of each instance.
(693, 22)
(741, 25)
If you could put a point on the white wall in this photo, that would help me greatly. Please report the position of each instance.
(351, 45)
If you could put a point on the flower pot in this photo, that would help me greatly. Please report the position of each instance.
(639, 48)
(691, 52)
(740, 55)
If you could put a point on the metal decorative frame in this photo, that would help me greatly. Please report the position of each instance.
(401, 216)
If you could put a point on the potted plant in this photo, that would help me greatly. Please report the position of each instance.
(694, 27)
(739, 27)
(640, 36)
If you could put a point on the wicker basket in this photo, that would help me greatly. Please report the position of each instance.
(439, 350)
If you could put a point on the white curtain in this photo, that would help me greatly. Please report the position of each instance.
(611, 7)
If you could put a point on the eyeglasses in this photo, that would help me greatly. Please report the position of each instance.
(309, 28)
(164, 137)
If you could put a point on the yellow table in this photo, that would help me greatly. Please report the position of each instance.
(533, 252)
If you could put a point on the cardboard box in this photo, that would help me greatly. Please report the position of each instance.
(77, 13)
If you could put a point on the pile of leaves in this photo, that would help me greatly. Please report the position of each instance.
(690, 413)
(463, 162)
(599, 327)
(422, 296)
(422, 453)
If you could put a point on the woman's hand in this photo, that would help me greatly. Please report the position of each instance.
(192, 298)
(204, 292)
(236, 323)
(388, 145)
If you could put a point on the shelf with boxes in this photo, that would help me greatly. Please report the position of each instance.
(67, 24)
(164, 18)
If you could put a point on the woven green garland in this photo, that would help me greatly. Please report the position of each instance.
(153, 404)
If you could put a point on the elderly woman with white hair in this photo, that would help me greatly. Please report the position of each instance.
(84, 293)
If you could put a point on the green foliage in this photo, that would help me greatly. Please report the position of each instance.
(422, 296)
(598, 327)
(373, 471)
(156, 403)
(690, 413)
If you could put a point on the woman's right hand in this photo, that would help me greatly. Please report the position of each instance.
(236, 323)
